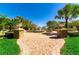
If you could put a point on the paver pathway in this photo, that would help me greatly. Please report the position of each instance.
(39, 44)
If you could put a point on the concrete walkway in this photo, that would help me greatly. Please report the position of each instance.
(39, 44)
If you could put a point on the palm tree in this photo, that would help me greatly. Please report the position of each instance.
(69, 12)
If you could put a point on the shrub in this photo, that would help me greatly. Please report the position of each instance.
(9, 35)
(73, 34)
(49, 30)
(72, 29)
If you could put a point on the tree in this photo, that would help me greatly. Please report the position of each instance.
(33, 27)
(73, 23)
(52, 25)
(44, 28)
(18, 19)
(12, 23)
(68, 12)
(3, 21)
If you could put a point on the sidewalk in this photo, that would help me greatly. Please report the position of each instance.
(39, 44)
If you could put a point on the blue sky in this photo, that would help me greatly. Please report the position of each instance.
(38, 13)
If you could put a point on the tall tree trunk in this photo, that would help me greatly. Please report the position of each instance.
(10, 28)
(66, 22)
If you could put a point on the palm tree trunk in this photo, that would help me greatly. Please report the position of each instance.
(66, 22)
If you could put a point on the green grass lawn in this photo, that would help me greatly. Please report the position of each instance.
(71, 46)
(9, 47)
